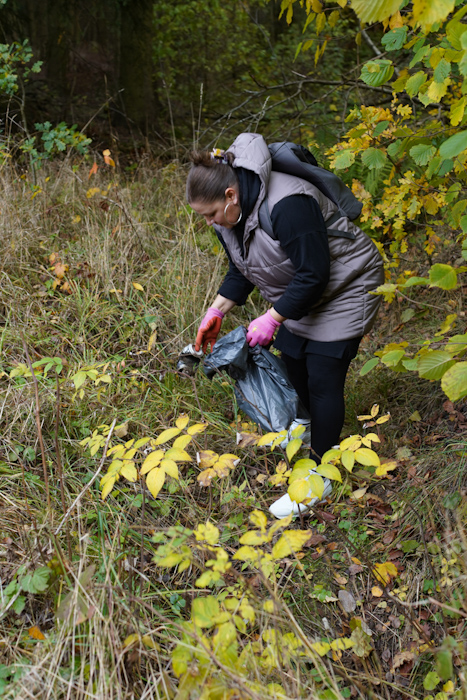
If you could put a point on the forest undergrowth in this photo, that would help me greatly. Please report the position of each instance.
(198, 593)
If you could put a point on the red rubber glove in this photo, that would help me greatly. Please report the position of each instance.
(261, 330)
(209, 329)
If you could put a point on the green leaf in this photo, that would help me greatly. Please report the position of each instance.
(344, 159)
(422, 153)
(204, 611)
(377, 72)
(380, 127)
(442, 71)
(368, 366)
(443, 276)
(434, 364)
(37, 581)
(409, 546)
(392, 358)
(374, 10)
(415, 82)
(444, 664)
(431, 680)
(19, 604)
(395, 39)
(454, 381)
(374, 158)
(454, 145)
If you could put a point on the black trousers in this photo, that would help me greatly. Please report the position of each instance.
(319, 382)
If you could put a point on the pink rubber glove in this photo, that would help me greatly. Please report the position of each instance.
(261, 330)
(209, 329)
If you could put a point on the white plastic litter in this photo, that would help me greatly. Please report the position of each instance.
(305, 437)
(284, 505)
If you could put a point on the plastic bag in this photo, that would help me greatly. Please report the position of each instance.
(262, 388)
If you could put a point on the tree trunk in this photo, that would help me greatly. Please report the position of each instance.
(136, 65)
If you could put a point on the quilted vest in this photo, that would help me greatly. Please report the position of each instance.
(346, 309)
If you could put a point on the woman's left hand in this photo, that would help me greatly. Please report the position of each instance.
(261, 330)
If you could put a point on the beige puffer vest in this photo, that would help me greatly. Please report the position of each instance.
(346, 309)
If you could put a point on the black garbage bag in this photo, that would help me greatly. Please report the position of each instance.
(262, 388)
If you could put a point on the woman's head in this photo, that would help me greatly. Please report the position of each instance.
(212, 188)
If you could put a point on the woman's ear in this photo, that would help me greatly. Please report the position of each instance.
(231, 195)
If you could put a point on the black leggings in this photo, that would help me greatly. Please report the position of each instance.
(319, 382)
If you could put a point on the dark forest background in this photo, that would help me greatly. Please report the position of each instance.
(175, 73)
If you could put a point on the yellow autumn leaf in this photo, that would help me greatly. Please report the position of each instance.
(130, 640)
(182, 421)
(228, 460)
(152, 340)
(207, 458)
(170, 467)
(207, 533)
(138, 286)
(353, 442)
(155, 480)
(152, 460)
(330, 456)
(298, 490)
(206, 476)
(178, 455)
(316, 486)
(377, 592)
(321, 648)
(129, 471)
(181, 442)
(258, 518)
(92, 191)
(247, 553)
(367, 457)
(196, 428)
(296, 474)
(348, 460)
(383, 419)
(385, 467)
(141, 442)
(254, 537)
(290, 541)
(267, 439)
(167, 435)
(149, 643)
(329, 471)
(107, 484)
(36, 633)
(385, 571)
(76, 219)
(292, 448)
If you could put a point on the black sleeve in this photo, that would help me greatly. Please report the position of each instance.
(235, 286)
(299, 226)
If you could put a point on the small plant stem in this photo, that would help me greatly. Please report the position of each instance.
(88, 486)
(141, 553)
(38, 422)
(60, 466)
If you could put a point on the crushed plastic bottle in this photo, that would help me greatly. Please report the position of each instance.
(189, 359)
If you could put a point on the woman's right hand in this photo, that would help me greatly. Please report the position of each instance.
(209, 329)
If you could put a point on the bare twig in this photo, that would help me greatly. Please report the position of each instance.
(59, 465)
(38, 422)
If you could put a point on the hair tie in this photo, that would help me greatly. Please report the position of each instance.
(218, 155)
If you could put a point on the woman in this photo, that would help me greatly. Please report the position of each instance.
(318, 286)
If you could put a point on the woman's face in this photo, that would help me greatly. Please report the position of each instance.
(215, 212)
